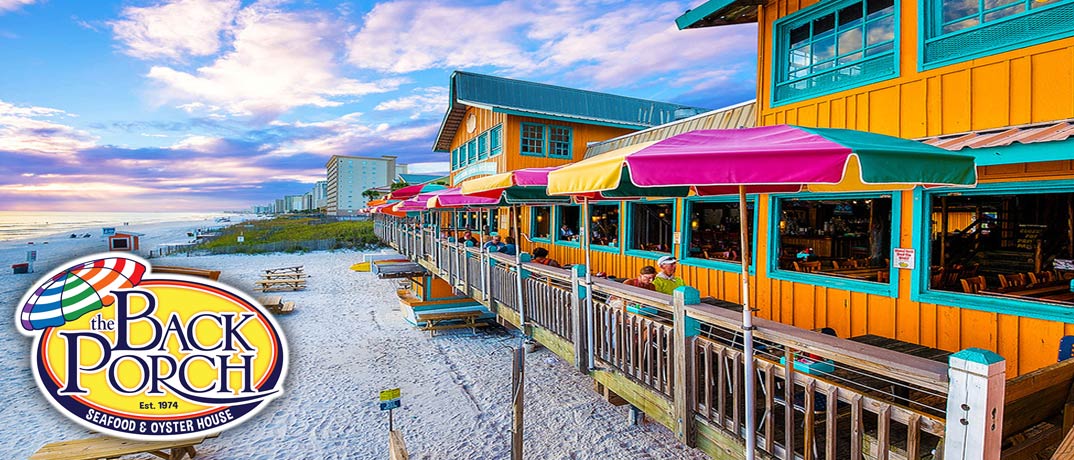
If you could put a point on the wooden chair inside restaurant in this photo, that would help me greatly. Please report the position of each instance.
(1012, 280)
(936, 279)
(951, 276)
(807, 267)
(973, 285)
(1041, 277)
(883, 276)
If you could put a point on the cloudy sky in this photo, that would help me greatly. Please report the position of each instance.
(220, 104)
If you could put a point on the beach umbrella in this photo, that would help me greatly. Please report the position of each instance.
(765, 159)
(411, 191)
(78, 290)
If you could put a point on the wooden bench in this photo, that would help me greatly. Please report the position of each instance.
(211, 274)
(280, 285)
(450, 320)
(103, 447)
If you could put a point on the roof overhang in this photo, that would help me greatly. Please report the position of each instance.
(719, 13)
(1034, 143)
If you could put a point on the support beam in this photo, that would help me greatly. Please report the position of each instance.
(686, 330)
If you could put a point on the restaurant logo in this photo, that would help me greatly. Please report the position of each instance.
(138, 355)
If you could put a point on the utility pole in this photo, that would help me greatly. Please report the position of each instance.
(518, 374)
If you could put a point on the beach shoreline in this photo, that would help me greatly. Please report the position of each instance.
(347, 341)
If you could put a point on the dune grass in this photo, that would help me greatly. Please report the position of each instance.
(277, 234)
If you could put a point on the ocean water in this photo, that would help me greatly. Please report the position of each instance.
(16, 225)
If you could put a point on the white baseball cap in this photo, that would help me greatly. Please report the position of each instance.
(666, 260)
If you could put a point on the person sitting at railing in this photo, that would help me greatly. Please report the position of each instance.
(494, 244)
(509, 247)
(665, 282)
(644, 279)
(468, 237)
(540, 256)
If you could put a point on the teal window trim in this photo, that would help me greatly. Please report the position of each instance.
(1032, 27)
(454, 159)
(496, 140)
(558, 220)
(471, 150)
(628, 239)
(781, 50)
(722, 265)
(619, 236)
(532, 140)
(919, 291)
(554, 145)
(889, 289)
(651, 255)
(533, 225)
(483, 146)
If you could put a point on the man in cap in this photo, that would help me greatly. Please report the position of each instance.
(666, 281)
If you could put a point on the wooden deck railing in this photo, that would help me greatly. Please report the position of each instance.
(637, 336)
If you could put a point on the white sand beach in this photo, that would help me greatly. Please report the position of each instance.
(347, 342)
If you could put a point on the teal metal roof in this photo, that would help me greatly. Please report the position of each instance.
(719, 13)
(538, 100)
(414, 179)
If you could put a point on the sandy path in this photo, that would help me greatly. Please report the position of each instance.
(347, 342)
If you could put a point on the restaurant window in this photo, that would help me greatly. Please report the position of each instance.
(471, 151)
(957, 30)
(604, 225)
(541, 222)
(559, 142)
(1003, 244)
(825, 49)
(568, 220)
(713, 230)
(483, 146)
(651, 226)
(848, 237)
(495, 140)
(532, 139)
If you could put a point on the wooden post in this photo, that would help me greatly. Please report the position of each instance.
(578, 317)
(686, 330)
(518, 375)
(788, 403)
(974, 429)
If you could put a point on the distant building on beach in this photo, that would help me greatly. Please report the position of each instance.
(320, 194)
(349, 176)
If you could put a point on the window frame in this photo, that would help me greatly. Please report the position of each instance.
(549, 143)
(522, 140)
(728, 266)
(889, 289)
(619, 233)
(919, 282)
(483, 146)
(628, 238)
(930, 26)
(558, 221)
(471, 151)
(495, 134)
(533, 224)
(781, 29)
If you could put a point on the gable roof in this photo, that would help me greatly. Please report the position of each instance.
(538, 100)
(741, 115)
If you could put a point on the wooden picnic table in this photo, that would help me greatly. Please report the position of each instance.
(100, 447)
(280, 285)
(273, 276)
(270, 301)
(1042, 290)
(295, 269)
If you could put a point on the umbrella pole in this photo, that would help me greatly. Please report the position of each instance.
(590, 333)
(518, 269)
(747, 326)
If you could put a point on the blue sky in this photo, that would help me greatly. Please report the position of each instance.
(221, 104)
